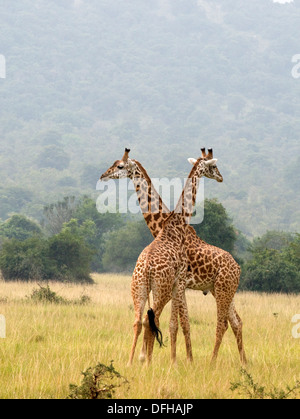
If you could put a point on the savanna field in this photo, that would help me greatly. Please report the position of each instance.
(48, 346)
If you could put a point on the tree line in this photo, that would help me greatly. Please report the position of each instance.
(73, 239)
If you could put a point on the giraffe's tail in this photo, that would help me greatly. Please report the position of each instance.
(154, 328)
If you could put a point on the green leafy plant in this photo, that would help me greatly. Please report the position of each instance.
(45, 295)
(98, 382)
(251, 390)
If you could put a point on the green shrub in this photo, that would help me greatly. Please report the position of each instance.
(99, 382)
(251, 390)
(45, 295)
(63, 257)
(72, 256)
(217, 228)
(122, 247)
(27, 260)
(274, 266)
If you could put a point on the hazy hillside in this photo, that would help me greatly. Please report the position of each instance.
(85, 78)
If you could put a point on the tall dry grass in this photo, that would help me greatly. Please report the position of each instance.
(48, 346)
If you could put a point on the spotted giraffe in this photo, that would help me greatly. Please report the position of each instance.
(209, 268)
(162, 269)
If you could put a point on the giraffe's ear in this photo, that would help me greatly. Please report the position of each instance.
(192, 161)
(210, 162)
(130, 163)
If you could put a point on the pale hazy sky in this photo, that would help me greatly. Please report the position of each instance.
(282, 1)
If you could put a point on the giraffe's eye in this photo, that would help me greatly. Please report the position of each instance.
(120, 167)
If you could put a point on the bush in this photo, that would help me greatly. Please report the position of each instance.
(71, 255)
(251, 390)
(27, 260)
(99, 382)
(122, 247)
(81, 218)
(46, 295)
(94, 226)
(273, 269)
(217, 228)
(268, 271)
(63, 257)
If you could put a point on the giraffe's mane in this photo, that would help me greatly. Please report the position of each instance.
(143, 170)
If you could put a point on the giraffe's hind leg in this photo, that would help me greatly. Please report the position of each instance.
(185, 325)
(237, 325)
(179, 308)
(224, 291)
(137, 328)
(139, 296)
(223, 299)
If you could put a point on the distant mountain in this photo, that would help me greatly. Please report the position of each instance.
(85, 78)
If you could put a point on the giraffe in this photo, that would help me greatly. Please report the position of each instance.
(162, 269)
(209, 268)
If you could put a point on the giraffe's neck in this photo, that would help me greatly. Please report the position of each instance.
(174, 230)
(154, 211)
(187, 199)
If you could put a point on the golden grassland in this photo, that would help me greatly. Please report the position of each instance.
(47, 346)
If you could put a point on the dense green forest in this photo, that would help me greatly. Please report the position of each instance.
(85, 78)
(75, 239)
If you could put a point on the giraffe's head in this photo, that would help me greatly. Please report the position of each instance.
(206, 166)
(124, 168)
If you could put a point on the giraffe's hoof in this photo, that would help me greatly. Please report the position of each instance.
(142, 358)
